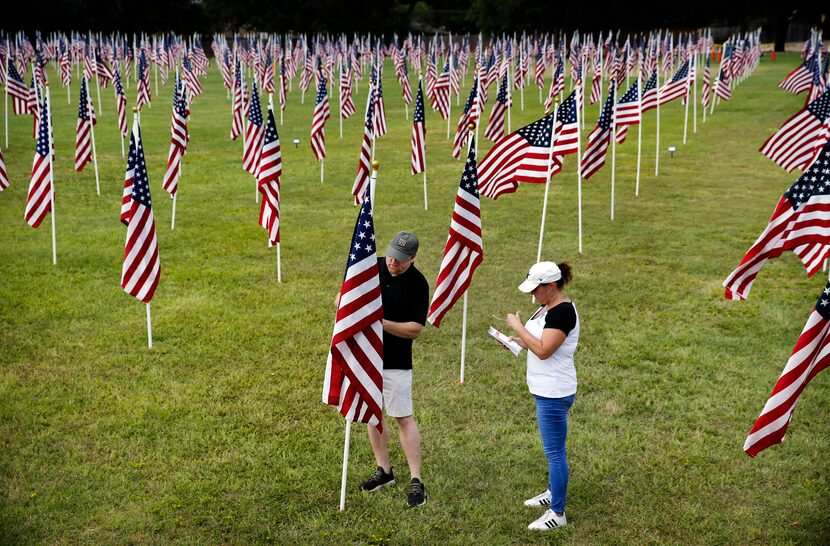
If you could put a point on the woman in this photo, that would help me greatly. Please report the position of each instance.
(550, 336)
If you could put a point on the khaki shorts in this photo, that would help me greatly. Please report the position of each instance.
(397, 393)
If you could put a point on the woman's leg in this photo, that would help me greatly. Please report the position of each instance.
(552, 415)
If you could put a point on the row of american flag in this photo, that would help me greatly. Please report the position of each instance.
(533, 153)
(800, 223)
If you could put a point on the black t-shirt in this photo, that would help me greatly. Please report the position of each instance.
(562, 317)
(405, 299)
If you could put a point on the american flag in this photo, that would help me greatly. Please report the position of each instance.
(798, 224)
(140, 272)
(4, 176)
(650, 93)
(627, 111)
(431, 76)
(419, 134)
(566, 139)
(600, 137)
(596, 83)
(120, 104)
(191, 80)
(225, 70)
(361, 181)
(268, 179)
(16, 89)
(379, 115)
(283, 84)
(521, 156)
(236, 122)
(798, 140)
(468, 116)
(723, 81)
(178, 139)
(268, 74)
(39, 199)
(464, 250)
(705, 93)
(441, 93)
(65, 66)
(677, 87)
(817, 86)
(495, 125)
(557, 85)
(143, 91)
(318, 122)
(347, 108)
(105, 74)
(406, 87)
(83, 130)
(254, 133)
(799, 79)
(810, 355)
(354, 370)
(40, 67)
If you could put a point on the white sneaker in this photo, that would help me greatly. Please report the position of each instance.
(542, 499)
(548, 521)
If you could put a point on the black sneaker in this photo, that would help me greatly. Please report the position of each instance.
(379, 480)
(417, 493)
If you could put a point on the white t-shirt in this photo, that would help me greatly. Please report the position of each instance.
(555, 376)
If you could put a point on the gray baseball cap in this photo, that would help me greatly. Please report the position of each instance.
(403, 246)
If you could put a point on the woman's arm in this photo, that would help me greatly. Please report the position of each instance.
(552, 338)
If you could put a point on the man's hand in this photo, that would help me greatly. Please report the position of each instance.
(337, 300)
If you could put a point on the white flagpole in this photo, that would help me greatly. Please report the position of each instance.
(373, 182)
(463, 339)
(464, 316)
(510, 95)
(547, 180)
(657, 146)
(98, 87)
(579, 180)
(613, 152)
(345, 466)
(694, 99)
(149, 328)
(688, 100)
(279, 264)
(52, 170)
(639, 128)
(322, 165)
(94, 153)
(6, 68)
(340, 94)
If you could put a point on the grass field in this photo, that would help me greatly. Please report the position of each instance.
(218, 435)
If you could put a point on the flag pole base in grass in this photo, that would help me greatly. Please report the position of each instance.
(322, 165)
(149, 328)
(342, 506)
(173, 216)
(463, 339)
(279, 264)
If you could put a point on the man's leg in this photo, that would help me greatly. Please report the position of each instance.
(380, 445)
(411, 442)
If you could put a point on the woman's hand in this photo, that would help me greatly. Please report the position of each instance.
(514, 321)
(518, 340)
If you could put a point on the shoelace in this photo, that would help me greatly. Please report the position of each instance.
(416, 487)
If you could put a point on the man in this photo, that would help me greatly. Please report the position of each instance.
(405, 295)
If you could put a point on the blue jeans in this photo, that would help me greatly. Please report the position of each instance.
(552, 415)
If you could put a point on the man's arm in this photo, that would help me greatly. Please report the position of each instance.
(406, 330)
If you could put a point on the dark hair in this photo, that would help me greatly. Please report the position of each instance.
(567, 275)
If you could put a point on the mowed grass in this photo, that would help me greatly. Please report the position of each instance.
(218, 434)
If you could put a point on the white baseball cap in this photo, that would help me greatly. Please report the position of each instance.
(541, 273)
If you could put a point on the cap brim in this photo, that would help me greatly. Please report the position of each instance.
(397, 254)
(528, 286)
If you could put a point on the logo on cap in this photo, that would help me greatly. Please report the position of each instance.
(401, 243)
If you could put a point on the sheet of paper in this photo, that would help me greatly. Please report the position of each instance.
(505, 341)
